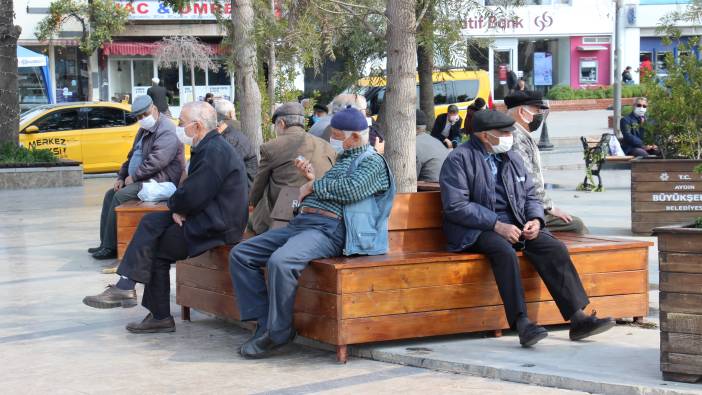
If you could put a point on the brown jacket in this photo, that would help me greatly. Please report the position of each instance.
(276, 170)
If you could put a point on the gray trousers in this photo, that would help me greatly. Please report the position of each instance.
(555, 224)
(286, 252)
(108, 217)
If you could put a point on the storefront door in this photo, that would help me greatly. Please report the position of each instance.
(502, 66)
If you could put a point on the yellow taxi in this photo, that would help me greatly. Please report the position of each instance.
(98, 134)
(457, 87)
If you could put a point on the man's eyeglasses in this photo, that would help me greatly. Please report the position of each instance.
(642, 105)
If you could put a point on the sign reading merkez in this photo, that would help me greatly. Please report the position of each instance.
(155, 10)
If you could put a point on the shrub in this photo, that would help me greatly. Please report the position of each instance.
(565, 92)
(14, 153)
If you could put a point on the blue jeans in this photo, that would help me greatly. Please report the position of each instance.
(286, 252)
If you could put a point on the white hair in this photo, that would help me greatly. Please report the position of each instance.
(365, 134)
(224, 108)
(203, 112)
(346, 100)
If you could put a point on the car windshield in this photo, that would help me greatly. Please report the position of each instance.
(27, 115)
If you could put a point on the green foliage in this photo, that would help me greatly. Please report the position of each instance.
(11, 152)
(565, 92)
(99, 19)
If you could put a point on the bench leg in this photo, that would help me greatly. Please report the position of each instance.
(342, 353)
(497, 333)
(185, 313)
(638, 320)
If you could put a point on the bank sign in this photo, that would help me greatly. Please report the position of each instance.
(155, 10)
(542, 21)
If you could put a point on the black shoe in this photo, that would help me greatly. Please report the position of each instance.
(258, 333)
(94, 250)
(112, 297)
(532, 334)
(262, 346)
(590, 326)
(152, 325)
(105, 253)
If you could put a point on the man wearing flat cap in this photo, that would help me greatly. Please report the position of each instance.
(528, 109)
(355, 194)
(491, 207)
(156, 154)
(276, 170)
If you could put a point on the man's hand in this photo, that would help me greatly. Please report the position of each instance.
(556, 212)
(179, 219)
(510, 232)
(448, 143)
(305, 168)
(119, 184)
(129, 180)
(379, 146)
(305, 190)
(531, 229)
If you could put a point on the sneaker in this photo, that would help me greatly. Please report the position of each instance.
(151, 325)
(532, 334)
(590, 326)
(112, 297)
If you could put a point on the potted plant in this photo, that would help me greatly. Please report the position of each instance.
(22, 168)
(667, 191)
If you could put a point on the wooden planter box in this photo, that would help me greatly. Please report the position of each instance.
(664, 192)
(680, 257)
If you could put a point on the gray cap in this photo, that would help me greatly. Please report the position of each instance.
(141, 104)
(291, 108)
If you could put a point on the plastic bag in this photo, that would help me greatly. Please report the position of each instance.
(153, 191)
(615, 149)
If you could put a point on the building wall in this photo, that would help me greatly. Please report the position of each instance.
(602, 57)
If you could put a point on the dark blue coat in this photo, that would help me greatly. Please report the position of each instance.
(633, 133)
(468, 194)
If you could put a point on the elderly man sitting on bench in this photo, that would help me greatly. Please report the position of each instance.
(490, 207)
(345, 211)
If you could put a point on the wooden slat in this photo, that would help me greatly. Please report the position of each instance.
(121, 249)
(139, 206)
(467, 271)
(320, 277)
(216, 259)
(690, 360)
(199, 277)
(682, 369)
(317, 303)
(655, 176)
(680, 263)
(658, 207)
(667, 187)
(680, 303)
(483, 293)
(683, 343)
(680, 242)
(681, 323)
(445, 322)
(125, 234)
(415, 211)
(416, 240)
(218, 304)
(662, 165)
(687, 283)
(318, 328)
(671, 217)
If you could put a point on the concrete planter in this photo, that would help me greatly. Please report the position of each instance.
(664, 192)
(680, 262)
(54, 175)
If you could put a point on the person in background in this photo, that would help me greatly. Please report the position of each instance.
(490, 207)
(477, 105)
(447, 127)
(633, 128)
(160, 96)
(645, 69)
(511, 79)
(627, 79)
(276, 169)
(230, 129)
(521, 85)
(156, 154)
(319, 111)
(209, 98)
(340, 102)
(208, 210)
(430, 152)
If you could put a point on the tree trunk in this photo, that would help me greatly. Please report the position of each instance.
(425, 68)
(9, 95)
(245, 65)
(271, 66)
(401, 95)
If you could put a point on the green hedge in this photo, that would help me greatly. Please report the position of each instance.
(14, 153)
(565, 92)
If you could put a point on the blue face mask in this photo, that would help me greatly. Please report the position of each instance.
(315, 118)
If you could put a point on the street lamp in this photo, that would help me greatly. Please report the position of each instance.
(544, 142)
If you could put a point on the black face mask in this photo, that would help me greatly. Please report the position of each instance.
(536, 122)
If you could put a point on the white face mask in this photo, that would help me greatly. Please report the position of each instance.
(147, 122)
(453, 118)
(639, 111)
(504, 145)
(338, 145)
(184, 138)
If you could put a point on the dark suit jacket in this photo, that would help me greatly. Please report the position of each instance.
(159, 95)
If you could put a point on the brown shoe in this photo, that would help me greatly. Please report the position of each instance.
(152, 325)
(112, 297)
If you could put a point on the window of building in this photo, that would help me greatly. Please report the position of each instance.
(105, 117)
(143, 72)
(219, 77)
(588, 71)
(465, 90)
(71, 74)
(200, 78)
(662, 62)
(58, 121)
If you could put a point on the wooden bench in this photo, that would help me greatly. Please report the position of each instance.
(418, 289)
(596, 155)
(129, 215)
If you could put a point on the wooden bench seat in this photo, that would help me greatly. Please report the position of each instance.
(418, 289)
(129, 215)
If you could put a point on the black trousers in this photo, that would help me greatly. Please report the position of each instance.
(550, 258)
(108, 217)
(157, 243)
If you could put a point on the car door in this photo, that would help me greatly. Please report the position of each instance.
(108, 138)
(59, 131)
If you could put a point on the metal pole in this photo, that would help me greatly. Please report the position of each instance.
(618, 37)
(544, 142)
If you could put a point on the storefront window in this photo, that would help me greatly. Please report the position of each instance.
(538, 60)
(199, 76)
(662, 63)
(31, 85)
(219, 77)
(71, 74)
(143, 72)
(588, 71)
(169, 80)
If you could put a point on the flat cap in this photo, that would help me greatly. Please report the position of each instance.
(290, 108)
(349, 120)
(421, 118)
(526, 98)
(141, 104)
(492, 120)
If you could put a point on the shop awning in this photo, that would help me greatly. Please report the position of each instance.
(27, 58)
(135, 48)
(592, 48)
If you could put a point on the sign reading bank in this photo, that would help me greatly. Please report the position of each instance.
(541, 21)
(155, 10)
